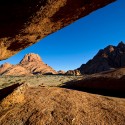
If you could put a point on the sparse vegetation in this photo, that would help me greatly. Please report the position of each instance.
(44, 80)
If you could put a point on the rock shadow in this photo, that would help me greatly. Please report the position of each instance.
(8, 90)
(107, 86)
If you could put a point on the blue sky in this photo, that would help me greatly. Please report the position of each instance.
(77, 43)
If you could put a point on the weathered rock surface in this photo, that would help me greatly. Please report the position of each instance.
(35, 65)
(73, 72)
(116, 73)
(31, 57)
(4, 67)
(30, 64)
(61, 72)
(24, 22)
(54, 106)
(108, 58)
(16, 70)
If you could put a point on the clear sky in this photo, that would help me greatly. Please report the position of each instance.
(77, 43)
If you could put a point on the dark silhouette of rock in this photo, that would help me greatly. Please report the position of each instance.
(108, 58)
(24, 22)
(108, 84)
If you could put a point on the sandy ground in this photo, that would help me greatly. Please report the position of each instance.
(39, 100)
(58, 106)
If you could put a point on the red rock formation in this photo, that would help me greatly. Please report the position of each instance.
(35, 65)
(16, 70)
(4, 67)
(31, 57)
(30, 64)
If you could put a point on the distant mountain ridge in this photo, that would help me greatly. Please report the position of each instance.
(106, 59)
(111, 57)
(29, 65)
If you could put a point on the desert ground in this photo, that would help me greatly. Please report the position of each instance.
(40, 100)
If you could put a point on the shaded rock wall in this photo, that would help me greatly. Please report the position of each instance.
(108, 83)
(106, 59)
(24, 22)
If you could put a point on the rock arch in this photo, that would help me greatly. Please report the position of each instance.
(24, 22)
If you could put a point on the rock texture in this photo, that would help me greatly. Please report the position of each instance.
(31, 57)
(73, 72)
(61, 72)
(16, 70)
(25, 22)
(4, 67)
(108, 58)
(54, 106)
(30, 64)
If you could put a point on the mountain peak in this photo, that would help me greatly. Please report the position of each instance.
(31, 57)
(31, 64)
(121, 44)
(110, 57)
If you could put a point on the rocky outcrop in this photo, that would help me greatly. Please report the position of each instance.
(4, 67)
(25, 22)
(31, 57)
(53, 106)
(61, 72)
(35, 65)
(106, 59)
(16, 70)
(30, 64)
(116, 73)
(73, 72)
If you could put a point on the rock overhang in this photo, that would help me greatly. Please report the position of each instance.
(25, 22)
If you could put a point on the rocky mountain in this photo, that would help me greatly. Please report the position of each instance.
(29, 65)
(31, 57)
(35, 65)
(111, 57)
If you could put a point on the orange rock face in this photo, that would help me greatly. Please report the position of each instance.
(29, 65)
(4, 67)
(31, 57)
